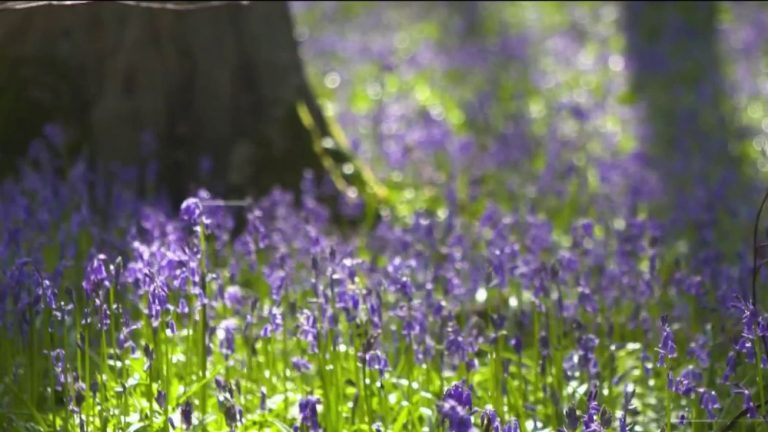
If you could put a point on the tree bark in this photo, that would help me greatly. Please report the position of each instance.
(222, 82)
(677, 78)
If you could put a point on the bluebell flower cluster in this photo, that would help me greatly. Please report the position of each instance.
(522, 299)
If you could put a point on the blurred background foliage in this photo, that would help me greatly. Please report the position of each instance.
(509, 104)
(523, 103)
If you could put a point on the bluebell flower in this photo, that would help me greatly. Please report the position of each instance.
(263, 399)
(161, 398)
(748, 405)
(587, 360)
(275, 324)
(234, 297)
(226, 335)
(730, 366)
(591, 418)
(456, 408)
(512, 426)
(686, 384)
(699, 350)
(489, 421)
(191, 211)
(95, 275)
(376, 360)
(300, 364)
(307, 329)
(308, 416)
(58, 359)
(667, 348)
(709, 403)
(587, 300)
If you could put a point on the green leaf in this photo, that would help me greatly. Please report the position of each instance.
(197, 386)
(134, 427)
(402, 418)
(280, 425)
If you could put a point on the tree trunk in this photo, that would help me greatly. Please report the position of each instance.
(677, 78)
(222, 81)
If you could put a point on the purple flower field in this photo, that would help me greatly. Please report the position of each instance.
(535, 269)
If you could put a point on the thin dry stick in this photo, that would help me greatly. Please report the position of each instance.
(180, 6)
(755, 271)
(755, 265)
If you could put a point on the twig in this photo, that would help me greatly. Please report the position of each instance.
(757, 266)
(755, 272)
(180, 6)
(755, 247)
(738, 417)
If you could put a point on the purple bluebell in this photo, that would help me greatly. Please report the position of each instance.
(748, 405)
(667, 348)
(699, 349)
(227, 329)
(307, 329)
(709, 403)
(234, 297)
(591, 418)
(161, 398)
(183, 308)
(455, 345)
(686, 384)
(456, 408)
(170, 327)
(263, 399)
(572, 419)
(730, 367)
(80, 393)
(275, 324)
(517, 345)
(587, 300)
(308, 413)
(300, 364)
(59, 367)
(489, 421)
(745, 345)
(512, 426)
(376, 360)
(191, 211)
(587, 344)
(95, 275)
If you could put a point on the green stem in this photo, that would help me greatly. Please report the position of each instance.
(189, 342)
(759, 365)
(203, 329)
(327, 396)
(498, 366)
(113, 317)
(667, 398)
(286, 361)
(166, 377)
(524, 387)
(536, 355)
(87, 375)
(150, 372)
(104, 380)
(366, 405)
(49, 348)
(32, 359)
